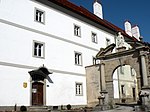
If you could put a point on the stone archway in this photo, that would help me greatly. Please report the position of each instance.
(138, 58)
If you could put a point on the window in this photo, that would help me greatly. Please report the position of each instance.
(78, 58)
(38, 49)
(39, 16)
(132, 71)
(108, 42)
(122, 89)
(77, 31)
(79, 89)
(122, 69)
(94, 61)
(94, 37)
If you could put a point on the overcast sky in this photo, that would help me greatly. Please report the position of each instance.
(117, 11)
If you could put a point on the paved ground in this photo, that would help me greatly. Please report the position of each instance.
(119, 109)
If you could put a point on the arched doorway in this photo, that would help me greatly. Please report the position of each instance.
(125, 84)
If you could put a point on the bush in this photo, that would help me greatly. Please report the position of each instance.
(68, 106)
(23, 109)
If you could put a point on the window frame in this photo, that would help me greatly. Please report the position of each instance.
(122, 70)
(95, 37)
(80, 63)
(35, 15)
(79, 32)
(81, 89)
(94, 60)
(42, 49)
(108, 42)
(122, 89)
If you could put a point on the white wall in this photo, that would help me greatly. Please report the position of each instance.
(11, 84)
(65, 86)
(18, 30)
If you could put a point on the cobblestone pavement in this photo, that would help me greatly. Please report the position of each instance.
(119, 109)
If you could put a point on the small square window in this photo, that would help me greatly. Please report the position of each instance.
(38, 49)
(78, 58)
(94, 37)
(79, 89)
(108, 42)
(39, 16)
(77, 31)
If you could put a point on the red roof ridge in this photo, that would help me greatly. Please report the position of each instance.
(86, 13)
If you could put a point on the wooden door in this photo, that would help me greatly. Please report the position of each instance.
(37, 93)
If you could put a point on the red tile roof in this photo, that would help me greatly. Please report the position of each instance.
(84, 12)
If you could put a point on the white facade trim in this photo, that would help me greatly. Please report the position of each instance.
(33, 67)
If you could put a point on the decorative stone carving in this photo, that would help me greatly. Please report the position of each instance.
(120, 40)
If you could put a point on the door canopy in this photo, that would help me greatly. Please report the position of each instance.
(40, 74)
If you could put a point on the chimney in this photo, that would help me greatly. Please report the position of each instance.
(136, 32)
(97, 8)
(127, 26)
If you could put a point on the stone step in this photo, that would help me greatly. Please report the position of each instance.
(39, 109)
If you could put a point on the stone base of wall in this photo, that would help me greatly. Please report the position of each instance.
(46, 108)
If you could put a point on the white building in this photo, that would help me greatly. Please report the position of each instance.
(49, 34)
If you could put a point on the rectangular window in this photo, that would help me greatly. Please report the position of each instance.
(122, 69)
(94, 61)
(122, 89)
(108, 42)
(78, 58)
(94, 37)
(79, 89)
(39, 16)
(77, 31)
(132, 71)
(38, 49)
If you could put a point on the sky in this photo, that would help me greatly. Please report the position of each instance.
(118, 11)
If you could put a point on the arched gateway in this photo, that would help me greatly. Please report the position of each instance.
(100, 76)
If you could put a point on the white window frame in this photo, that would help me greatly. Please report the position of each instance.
(108, 42)
(77, 30)
(39, 16)
(122, 69)
(39, 50)
(79, 89)
(94, 37)
(78, 58)
(132, 71)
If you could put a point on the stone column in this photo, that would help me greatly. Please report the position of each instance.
(103, 92)
(103, 83)
(144, 71)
